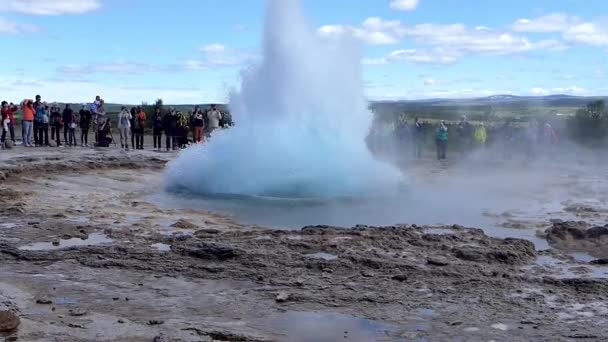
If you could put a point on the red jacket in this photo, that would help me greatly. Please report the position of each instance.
(9, 112)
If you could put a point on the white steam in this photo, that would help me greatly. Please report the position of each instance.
(301, 117)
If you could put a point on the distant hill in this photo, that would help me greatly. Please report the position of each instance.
(495, 107)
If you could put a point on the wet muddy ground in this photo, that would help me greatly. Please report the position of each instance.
(85, 256)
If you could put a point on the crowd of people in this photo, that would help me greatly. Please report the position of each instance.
(528, 137)
(38, 117)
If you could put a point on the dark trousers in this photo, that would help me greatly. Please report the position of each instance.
(11, 130)
(133, 133)
(157, 134)
(72, 136)
(139, 139)
(36, 124)
(442, 147)
(84, 135)
(169, 139)
(66, 130)
(55, 134)
(41, 134)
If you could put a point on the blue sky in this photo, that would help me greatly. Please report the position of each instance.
(191, 51)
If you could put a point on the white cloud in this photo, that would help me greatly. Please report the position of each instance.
(431, 81)
(80, 91)
(539, 91)
(213, 48)
(118, 67)
(374, 31)
(435, 56)
(11, 27)
(572, 90)
(572, 28)
(404, 5)
(50, 7)
(456, 38)
(555, 22)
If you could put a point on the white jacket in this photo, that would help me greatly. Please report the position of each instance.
(124, 119)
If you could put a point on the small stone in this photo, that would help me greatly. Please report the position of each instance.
(76, 326)
(55, 243)
(115, 298)
(500, 326)
(9, 321)
(78, 312)
(367, 274)
(44, 301)
(282, 297)
(160, 338)
(455, 323)
(400, 277)
(121, 321)
(155, 322)
(437, 261)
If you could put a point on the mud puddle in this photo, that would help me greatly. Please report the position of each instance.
(91, 240)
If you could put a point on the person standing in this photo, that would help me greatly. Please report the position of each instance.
(481, 135)
(141, 125)
(56, 124)
(157, 129)
(67, 116)
(85, 124)
(442, 140)
(124, 127)
(198, 121)
(43, 137)
(38, 116)
(170, 127)
(28, 122)
(214, 117)
(8, 120)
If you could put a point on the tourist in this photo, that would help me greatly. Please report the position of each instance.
(124, 127)
(133, 112)
(466, 135)
(99, 115)
(67, 117)
(38, 116)
(418, 138)
(43, 126)
(140, 124)
(170, 126)
(182, 130)
(213, 116)
(56, 124)
(442, 140)
(198, 121)
(157, 129)
(104, 132)
(85, 124)
(481, 135)
(8, 120)
(27, 106)
(72, 130)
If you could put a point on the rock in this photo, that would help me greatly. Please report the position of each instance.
(44, 301)
(9, 321)
(603, 261)
(78, 312)
(121, 321)
(206, 231)
(160, 338)
(76, 326)
(9, 144)
(55, 243)
(183, 224)
(282, 297)
(155, 322)
(437, 261)
(208, 251)
(400, 277)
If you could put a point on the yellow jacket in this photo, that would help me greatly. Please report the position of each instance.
(481, 135)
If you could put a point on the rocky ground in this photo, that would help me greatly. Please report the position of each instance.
(84, 256)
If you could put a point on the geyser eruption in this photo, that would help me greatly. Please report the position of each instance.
(301, 117)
